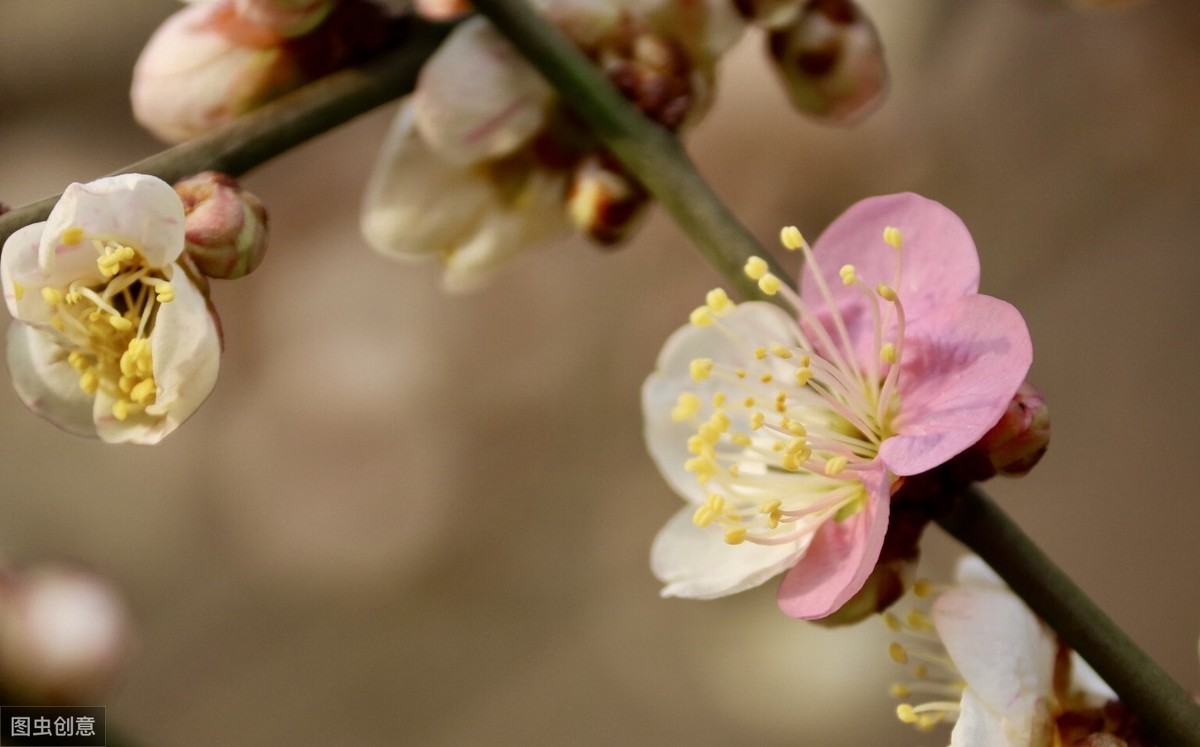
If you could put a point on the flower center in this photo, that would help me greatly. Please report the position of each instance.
(105, 327)
(790, 427)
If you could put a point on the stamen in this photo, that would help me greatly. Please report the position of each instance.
(702, 316)
(791, 238)
(892, 236)
(756, 268)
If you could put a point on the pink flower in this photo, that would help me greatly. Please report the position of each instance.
(113, 337)
(788, 435)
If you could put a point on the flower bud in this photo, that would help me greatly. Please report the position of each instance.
(1016, 443)
(602, 201)
(831, 61)
(441, 10)
(64, 633)
(225, 227)
(287, 18)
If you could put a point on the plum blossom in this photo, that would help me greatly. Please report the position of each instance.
(1001, 674)
(786, 436)
(483, 161)
(113, 336)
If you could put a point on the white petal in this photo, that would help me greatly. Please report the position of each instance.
(186, 348)
(45, 382)
(417, 205)
(477, 97)
(697, 563)
(136, 209)
(972, 571)
(1004, 653)
(1087, 685)
(749, 325)
(19, 266)
(979, 726)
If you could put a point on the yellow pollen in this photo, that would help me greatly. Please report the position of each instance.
(781, 351)
(120, 409)
(923, 588)
(887, 353)
(756, 421)
(760, 353)
(703, 516)
(89, 382)
(52, 296)
(892, 236)
(739, 372)
(836, 465)
(892, 622)
(906, 714)
(748, 402)
(18, 290)
(898, 654)
(166, 293)
(803, 376)
(756, 268)
(791, 238)
(898, 690)
(120, 323)
(719, 399)
(702, 316)
(793, 462)
(886, 292)
(794, 427)
(766, 378)
(849, 274)
(686, 406)
(735, 536)
(740, 439)
(143, 392)
(72, 236)
(769, 284)
(719, 301)
(78, 361)
(918, 620)
(770, 506)
(701, 368)
(58, 324)
(735, 470)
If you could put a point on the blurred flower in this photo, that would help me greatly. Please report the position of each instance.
(830, 60)
(64, 634)
(1003, 679)
(225, 227)
(214, 61)
(114, 338)
(786, 436)
(484, 161)
(439, 10)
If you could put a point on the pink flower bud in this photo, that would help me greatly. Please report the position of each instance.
(64, 633)
(1016, 443)
(831, 61)
(225, 227)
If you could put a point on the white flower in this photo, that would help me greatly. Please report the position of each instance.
(113, 338)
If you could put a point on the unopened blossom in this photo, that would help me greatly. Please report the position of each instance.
(225, 227)
(213, 61)
(64, 634)
(787, 435)
(830, 60)
(113, 336)
(988, 665)
(484, 161)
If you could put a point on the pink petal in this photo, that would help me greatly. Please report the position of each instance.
(961, 365)
(840, 558)
(940, 264)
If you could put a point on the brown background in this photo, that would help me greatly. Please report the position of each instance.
(404, 518)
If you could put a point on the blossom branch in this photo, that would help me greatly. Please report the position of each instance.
(976, 521)
(648, 151)
(281, 125)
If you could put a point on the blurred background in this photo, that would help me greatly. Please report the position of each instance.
(407, 518)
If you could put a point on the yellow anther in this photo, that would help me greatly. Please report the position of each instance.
(735, 536)
(892, 622)
(718, 301)
(849, 274)
(143, 392)
(740, 439)
(756, 268)
(166, 294)
(899, 690)
(715, 501)
(892, 236)
(58, 324)
(739, 372)
(906, 714)
(703, 466)
(777, 446)
(78, 361)
(769, 284)
(710, 433)
(796, 445)
(887, 353)
(795, 461)
(700, 368)
(120, 323)
(803, 376)
(120, 409)
(836, 465)
(886, 292)
(701, 316)
(52, 296)
(686, 406)
(771, 506)
(720, 420)
(89, 382)
(803, 361)
(719, 399)
(781, 351)
(18, 290)
(703, 517)
(791, 238)
(920, 671)
(923, 588)
(760, 353)
(766, 378)
(898, 654)
(918, 620)
(735, 470)
(72, 236)
(756, 421)
(928, 720)
(794, 427)
(748, 402)
(125, 383)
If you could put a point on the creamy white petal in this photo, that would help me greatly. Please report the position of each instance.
(19, 268)
(698, 564)
(973, 571)
(477, 97)
(45, 382)
(979, 726)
